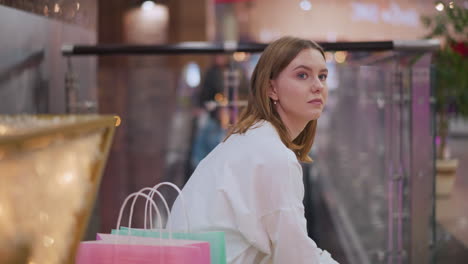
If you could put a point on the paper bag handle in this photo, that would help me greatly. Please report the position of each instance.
(181, 197)
(136, 194)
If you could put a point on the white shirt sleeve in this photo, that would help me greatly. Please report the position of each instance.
(289, 240)
(280, 192)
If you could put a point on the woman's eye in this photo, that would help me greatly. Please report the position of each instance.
(323, 77)
(303, 76)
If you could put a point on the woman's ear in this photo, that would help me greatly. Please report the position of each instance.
(272, 90)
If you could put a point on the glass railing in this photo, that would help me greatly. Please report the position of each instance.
(374, 158)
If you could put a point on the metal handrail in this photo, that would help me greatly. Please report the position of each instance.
(205, 48)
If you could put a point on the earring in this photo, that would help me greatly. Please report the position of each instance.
(274, 102)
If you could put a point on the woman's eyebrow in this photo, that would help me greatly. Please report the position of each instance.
(309, 68)
(302, 66)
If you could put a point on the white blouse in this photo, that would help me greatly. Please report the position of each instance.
(251, 188)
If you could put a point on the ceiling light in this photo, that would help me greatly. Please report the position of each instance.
(148, 5)
(305, 5)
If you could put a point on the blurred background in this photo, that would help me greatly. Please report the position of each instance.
(390, 179)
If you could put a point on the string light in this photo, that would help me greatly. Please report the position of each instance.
(340, 56)
(240, 56)
(117, 120)
(439, 7)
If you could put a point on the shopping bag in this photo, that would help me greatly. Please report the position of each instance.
(204, 247)
(103, 252)
(118, 249)
(215, 239)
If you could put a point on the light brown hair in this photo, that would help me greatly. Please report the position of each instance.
(274, 59)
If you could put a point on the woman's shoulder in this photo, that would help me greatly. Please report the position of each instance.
(261, 142)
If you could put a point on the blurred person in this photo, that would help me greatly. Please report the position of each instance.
(210, 132)
(211, 121)
(214, 80)
(250, 186)
(208, 129)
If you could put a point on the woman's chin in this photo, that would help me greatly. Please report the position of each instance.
(314, 115)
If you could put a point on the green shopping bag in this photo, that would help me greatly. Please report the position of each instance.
(216, 239)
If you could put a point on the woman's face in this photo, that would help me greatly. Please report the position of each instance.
(300, 90)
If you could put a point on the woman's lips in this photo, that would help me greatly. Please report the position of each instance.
(315, 102)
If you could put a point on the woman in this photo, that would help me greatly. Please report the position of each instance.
(250, 186)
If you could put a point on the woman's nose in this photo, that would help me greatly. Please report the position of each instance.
(317, 85)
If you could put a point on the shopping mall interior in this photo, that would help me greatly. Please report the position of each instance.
(99, 99)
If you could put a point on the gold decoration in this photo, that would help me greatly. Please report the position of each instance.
(50, 170)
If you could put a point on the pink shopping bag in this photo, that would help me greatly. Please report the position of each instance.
(204, 247)
(102, 252)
